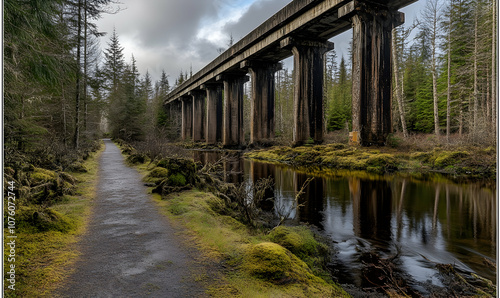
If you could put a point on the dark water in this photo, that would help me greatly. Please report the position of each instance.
(424, 222)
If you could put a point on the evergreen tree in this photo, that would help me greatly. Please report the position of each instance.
(431, 19)
(114, 63)
(37, 62)
(284, 104)
(339, 111)
(162, 119)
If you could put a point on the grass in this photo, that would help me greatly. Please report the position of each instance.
(45, 258)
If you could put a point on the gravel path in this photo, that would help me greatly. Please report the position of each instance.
(130, 249)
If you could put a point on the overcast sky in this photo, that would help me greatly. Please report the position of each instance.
(176, 35)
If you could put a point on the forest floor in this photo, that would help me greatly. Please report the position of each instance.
(129, 248)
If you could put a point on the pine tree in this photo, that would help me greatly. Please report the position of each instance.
(162, 119)
(340, 108)
(114, 63)
(431, 20)
(418, 87)
(36, 64)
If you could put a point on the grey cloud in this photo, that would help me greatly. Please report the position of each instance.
(162, 22)
(257, 13)
(164, 31)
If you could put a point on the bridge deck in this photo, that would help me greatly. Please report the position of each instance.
(301, 19)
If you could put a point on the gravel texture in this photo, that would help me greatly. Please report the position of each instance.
(130, 249)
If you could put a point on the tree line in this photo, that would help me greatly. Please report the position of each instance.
(61, 92)
(444, 75)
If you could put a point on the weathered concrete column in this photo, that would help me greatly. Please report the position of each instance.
(187, 118)
(232, 127)
(198, 114)
(262, 101)
(308, 94)
(213, 120)
(371, 70)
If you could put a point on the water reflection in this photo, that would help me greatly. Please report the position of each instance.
(425, 222)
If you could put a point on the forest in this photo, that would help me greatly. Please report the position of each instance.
(62, 93)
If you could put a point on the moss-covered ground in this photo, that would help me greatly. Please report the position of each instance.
(46, 236)
(281, 263)
(459, 163)
(252, 262)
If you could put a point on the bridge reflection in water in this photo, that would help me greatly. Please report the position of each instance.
(425, 222)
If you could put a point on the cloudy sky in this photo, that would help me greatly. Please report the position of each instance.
(177, 35)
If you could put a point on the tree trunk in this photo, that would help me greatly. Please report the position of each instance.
(493, 69)
(85, 62)
(487, 100)
(399, 95)
(448, 93)
(63, 109)
(76, 138)
(434, 74)
(475, 95)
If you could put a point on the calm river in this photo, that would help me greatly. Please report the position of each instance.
(423, 222)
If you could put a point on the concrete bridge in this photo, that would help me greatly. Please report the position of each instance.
(211, 101)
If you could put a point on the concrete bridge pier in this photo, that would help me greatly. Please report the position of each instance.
(262, 101)
(198, 114)
(232, 132)
(213, 120)
(308, 109)
(371, 70)
(187, 118)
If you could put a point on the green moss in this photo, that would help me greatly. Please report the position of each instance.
(68, 178)
(336, 146)
(136, 158)
(448, 158)
(381, 163)
(39, 176)
(385, 160)
(51, 220)
(156, 175)
(302, 242)
(158, 172)
(185, 167)
(271, 261)
(77, 167)
(177, 180)
(490, 150)
(39, 219)
(299, 240)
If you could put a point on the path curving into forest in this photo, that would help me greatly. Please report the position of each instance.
(130, 249)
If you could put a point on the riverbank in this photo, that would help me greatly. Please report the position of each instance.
(254, 260)
(164, 177)
(468, 163)
(253, 263)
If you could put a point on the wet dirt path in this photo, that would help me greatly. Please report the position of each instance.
(130, 249)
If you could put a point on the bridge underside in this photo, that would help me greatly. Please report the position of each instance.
(301, 29)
